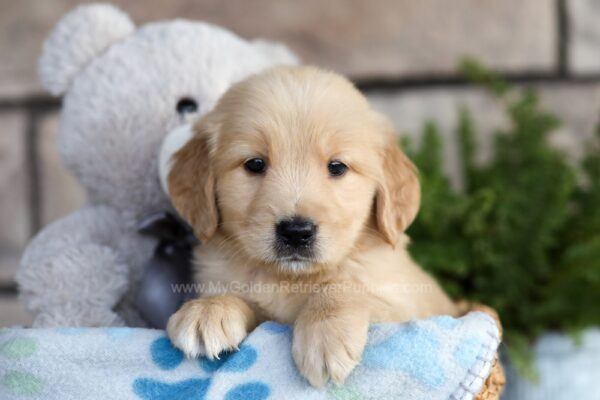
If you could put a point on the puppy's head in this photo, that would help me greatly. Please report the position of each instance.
(293, 166)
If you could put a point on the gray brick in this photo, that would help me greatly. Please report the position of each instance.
(12, 313)
(584, 43)
(14, 189)
(9, 260)
(60, 191)
(23, 25)
(576, 105)
(358, 37)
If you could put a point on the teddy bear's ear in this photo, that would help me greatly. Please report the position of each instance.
(277, 53)
(78, 37)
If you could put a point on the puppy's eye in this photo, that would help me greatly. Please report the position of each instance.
(256, 166)
(337, 168)
(186, 105)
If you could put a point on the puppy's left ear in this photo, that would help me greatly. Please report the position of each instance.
(399, 192)
(191, 185)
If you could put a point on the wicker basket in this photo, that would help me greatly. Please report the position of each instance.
(492, 388)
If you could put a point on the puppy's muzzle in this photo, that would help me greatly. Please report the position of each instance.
(295, 236)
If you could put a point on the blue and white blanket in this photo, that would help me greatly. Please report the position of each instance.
(438, 358)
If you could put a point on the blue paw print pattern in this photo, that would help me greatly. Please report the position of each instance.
(190, 389)
(249, 391)
(275, 328)
(467, 351)
(236, 361)
(119, 332)
(241, 360)
(164, 355)
(446, 322)
(412, 350)
(210, 366)
(167, 357)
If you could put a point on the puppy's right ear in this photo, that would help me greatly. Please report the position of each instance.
(399, 193)
(191, 184)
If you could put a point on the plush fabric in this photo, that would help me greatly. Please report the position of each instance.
(440, 358)
(121, 85)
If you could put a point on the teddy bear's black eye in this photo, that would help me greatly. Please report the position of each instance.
(186, 106)
(255, 166)
(337, 168)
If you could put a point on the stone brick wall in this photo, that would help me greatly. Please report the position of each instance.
(401, 53)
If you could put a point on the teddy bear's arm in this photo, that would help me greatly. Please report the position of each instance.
(71, 275)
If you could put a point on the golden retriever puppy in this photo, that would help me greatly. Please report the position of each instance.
(300, 196)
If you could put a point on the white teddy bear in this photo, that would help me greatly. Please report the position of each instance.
(124, 90)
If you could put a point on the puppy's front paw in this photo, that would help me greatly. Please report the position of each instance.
(211, 325)
(328, 348)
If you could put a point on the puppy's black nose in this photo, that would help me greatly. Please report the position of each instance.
(296, 232)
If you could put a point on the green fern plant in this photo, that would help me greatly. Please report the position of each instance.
(523, 236)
